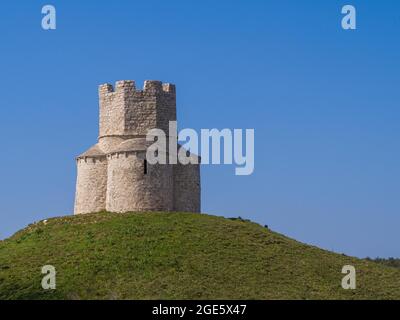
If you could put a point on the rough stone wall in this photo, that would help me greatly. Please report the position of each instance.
(140, 113)
(130, 189)
(112, 104)
(187, 192)
(91, 185)
(166, 107)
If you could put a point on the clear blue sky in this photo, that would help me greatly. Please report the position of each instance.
(324, 104)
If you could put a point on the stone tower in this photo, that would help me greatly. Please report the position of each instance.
(114, 174)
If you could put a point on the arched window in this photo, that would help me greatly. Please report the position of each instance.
(145, 166)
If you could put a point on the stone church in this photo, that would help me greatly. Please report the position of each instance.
(114, 175)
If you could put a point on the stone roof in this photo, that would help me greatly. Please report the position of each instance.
(135, 144)
(93, 152)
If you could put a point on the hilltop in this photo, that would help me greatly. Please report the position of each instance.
(178, 256)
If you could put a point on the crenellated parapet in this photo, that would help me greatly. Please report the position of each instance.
(151, 87)
(124, 110)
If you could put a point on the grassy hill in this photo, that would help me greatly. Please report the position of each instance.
(178, 256)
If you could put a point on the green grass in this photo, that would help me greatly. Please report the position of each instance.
(178, 256)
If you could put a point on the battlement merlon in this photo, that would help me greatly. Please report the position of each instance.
(150, 87)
